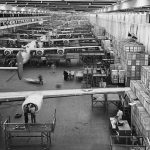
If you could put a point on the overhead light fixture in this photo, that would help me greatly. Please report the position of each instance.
(123, 1)
(14, 8)
(3, 7)
(23, 9)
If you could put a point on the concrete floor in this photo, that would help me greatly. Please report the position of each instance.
(77, 127)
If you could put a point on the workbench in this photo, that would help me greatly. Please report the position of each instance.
(98, 100)
(106, 100)
(79, 75)
(71, 75)
(123, 130)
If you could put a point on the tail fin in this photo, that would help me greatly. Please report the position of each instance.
(19, 68)
(20, 65)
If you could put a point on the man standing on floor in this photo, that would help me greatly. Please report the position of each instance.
(65, 75)
(53, 67)
(32, 111)
(26, 110)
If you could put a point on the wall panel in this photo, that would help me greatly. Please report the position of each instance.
(119, 24)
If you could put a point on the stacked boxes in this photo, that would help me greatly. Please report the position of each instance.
(105, 44)
(128, 45)
(145, 76)
(131, 46)
(114, 76)
(116, 66)
(132, 56)
(98, 31)
(142, 94)
(132, 63)
(141, 111)
(142, 116)
(142, 121)
(117, 73)
(121, 74)
(117, 59)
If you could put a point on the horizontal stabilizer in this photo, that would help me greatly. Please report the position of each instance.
(20, 65)
(19, 68)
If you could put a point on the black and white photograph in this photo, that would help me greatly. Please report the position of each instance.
(74, 75)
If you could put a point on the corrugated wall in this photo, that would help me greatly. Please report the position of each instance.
(118, 25)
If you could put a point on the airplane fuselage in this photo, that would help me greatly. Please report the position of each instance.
(26, 53)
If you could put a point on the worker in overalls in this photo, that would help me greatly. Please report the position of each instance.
(53, 67)
(26, 111)
(32, 112)
(40, 79)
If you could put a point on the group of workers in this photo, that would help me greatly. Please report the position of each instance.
(68, 75)
(29, 109)
(9, 62)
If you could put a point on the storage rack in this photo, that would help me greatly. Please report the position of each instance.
(140, 110)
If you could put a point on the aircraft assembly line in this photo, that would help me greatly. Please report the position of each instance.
(67, 81)
(38, 49)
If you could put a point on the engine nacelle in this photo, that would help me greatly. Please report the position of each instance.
(35, 99)
(7, 52)
(39, 52)
(51, 43)
(66, 42)
(60, 51)
(68, 36)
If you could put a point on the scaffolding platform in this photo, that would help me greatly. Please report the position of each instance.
(25, 135)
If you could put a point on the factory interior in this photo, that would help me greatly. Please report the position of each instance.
(74, 75)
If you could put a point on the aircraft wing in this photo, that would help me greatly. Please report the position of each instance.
(12, 49)
(8, 68)
(81, 47)
(71, 39)
(14, 96)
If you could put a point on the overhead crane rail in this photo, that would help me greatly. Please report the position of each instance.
(16, 23)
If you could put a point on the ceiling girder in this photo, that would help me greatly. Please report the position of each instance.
(129, 5)
(61, 4)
